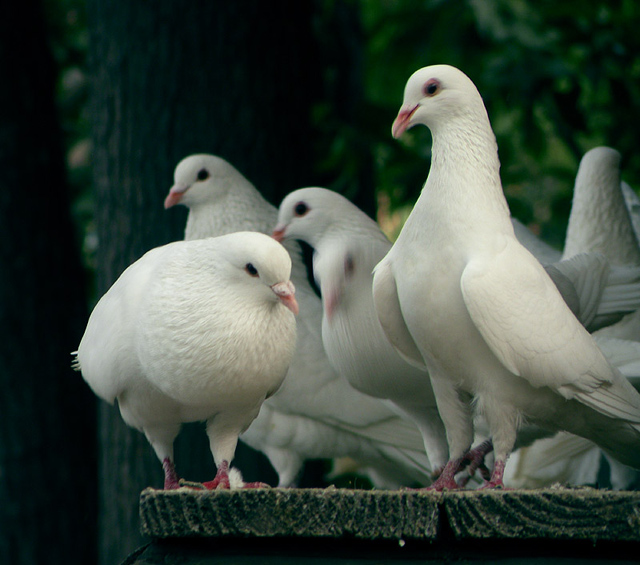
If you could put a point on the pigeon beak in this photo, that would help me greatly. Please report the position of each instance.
(175, 195)
(278, 233)
(403, 121)
(286, 293)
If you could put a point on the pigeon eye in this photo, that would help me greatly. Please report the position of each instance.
(431, 87)
(349, 265)
(301, 209)
(251, 270)
(203, 174)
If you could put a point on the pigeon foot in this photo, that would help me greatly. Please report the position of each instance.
(474, 461)
(171, 480)
(446, 480)
(496, 478)
(221, 480)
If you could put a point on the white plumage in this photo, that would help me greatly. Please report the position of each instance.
(347, 246)
(459, 292)
(197, 330)
(602, 220)
(316, 413)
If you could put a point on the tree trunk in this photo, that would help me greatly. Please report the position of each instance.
(47, 423)
(169, 79)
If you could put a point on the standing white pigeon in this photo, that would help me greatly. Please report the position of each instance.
(347, 246)
(316, 414)
(197, 330)
(458, 291)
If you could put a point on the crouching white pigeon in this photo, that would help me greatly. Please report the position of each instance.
(316, 414)
(197, 330)
(459, 293)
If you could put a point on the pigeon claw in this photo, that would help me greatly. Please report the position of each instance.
(474, 459)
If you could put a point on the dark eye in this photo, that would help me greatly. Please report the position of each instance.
(203, 174)
(301, 209)
(431, 87)
(348, 265)
(251, 270)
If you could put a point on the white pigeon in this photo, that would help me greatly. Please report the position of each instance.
(599, 275)
(197, 330)
(459, 293)
(600, 220)
(347, 246)
(316, 414)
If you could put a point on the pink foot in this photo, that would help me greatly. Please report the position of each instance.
(496, 477)
(256, 485)
(474, 461)
(221, 480)
(171, 480)
(446, 480)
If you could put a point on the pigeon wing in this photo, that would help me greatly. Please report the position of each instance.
(387, 303)
(527, 325)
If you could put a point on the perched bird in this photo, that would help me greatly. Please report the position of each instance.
(600, 220)
(459, 294)
(347, 246)
(316, 414)
(194, 330)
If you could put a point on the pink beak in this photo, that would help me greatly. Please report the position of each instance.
(278, 233)
(286, 293)
(403, 121)
(174, 196)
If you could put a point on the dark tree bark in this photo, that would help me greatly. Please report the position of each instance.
(47, 414)
(172, 78)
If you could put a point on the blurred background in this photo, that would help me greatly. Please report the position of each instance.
(100, 99)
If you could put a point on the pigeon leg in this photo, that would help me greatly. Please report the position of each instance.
(171, 480)
(221, 479)
(446, 480)
(496, 477)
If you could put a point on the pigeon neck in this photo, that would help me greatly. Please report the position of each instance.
(465, 173)
(598, 201)
(239, 209)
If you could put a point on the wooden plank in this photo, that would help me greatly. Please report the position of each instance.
(277, 512)
(563, 513)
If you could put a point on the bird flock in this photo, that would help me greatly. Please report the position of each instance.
(467, 353)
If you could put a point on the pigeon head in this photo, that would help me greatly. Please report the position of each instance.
(200, 178)
(260, 263)
(434, 94)
(599, 170)
(336, 269)
(306, 214)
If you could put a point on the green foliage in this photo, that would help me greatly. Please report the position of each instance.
(558, 78)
